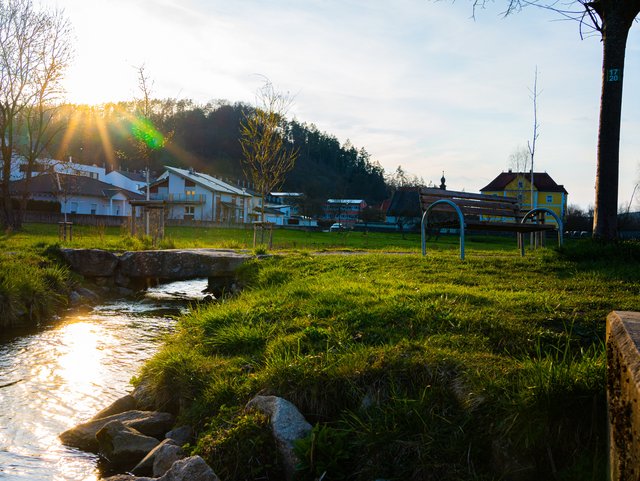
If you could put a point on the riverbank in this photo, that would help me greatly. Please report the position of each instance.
(484, 369)
(67, 369)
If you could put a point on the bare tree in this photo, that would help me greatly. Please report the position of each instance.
(519, 159)
(531, 145)
(148, 139)
(612, 19)
(35, 51)
(35, 121)
(519, 164)
(268, 154)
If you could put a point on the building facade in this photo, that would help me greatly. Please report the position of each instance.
(191, 195)
(77, 194)
(546, 192)
(345, 211)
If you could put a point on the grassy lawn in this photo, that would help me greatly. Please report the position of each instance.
(33, 286)
(410, 368)
(114, 238)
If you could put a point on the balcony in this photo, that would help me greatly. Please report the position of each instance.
(189, 199)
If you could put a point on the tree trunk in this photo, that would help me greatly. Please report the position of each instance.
(8, 217)
(614, 38)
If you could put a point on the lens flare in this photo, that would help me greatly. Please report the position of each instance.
(144, 131)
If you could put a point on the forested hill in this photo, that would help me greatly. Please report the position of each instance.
(206, 137)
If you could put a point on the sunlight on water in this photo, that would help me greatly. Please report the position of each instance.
(62, 375)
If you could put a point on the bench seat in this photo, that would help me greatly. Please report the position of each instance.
(483, 212)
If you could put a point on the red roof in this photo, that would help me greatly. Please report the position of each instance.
(541, 180)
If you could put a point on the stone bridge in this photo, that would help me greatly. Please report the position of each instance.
(139, 269)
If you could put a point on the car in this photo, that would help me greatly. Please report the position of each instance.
(337, 227)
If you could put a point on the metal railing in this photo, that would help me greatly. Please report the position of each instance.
(180, 198)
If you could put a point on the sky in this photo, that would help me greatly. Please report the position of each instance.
(417, 83)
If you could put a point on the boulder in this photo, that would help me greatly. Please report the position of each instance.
(123, 404)
(187, 469)
(287, 425)
(127, 477)
(149, 423)
(193, 468)
(88, 294)
(180, 263)
(144, 395)
(90, 262)
(145, 467)
(166, 455)
(122, 445)
(181, 435)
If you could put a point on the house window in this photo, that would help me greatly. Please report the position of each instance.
(549, 199)
(74, 208)
(189, 212)
(94, 209)
(520, 184)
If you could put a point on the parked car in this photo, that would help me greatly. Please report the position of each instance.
(337, 227)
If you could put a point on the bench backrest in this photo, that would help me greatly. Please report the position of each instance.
(471, 204)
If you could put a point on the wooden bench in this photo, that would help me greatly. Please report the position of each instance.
(482, 212)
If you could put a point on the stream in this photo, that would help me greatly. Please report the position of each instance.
(63, 373)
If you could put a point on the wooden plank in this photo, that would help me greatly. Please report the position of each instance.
(484, 211)
(447, 194)
(500, 203)
(509, 226)
(476, 205)
(426, 201)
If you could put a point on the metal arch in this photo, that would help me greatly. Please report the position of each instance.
(424, 222)
(553, 214)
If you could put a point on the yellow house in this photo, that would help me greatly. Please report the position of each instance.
(546, 193)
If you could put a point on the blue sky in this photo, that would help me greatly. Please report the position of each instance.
(417, 83)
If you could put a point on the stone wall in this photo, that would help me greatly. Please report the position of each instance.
(623, 392)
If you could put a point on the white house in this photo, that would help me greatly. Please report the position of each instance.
(131, 181)
(78, 194)
(191, 195)
(42, 166)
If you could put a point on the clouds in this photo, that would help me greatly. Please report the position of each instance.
(416, 83)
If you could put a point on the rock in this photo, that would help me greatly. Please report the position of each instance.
(180, 263)
(166, 455)
(287, 425)
(88, 294)
(123, 445)
(149, 423)
(145, 467)
(124, 292)
(90, 262)
(75, 298)
(144, 395)
(181, 435)
(190, 469)
(127, 477)
(125, 403)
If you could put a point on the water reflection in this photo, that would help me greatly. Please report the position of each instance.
(61, 376)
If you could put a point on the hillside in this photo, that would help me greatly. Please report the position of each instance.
(205, 137)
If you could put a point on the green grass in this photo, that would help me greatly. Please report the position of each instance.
(118, 239)
(30, 299)
(411, 367)
(408, 367)
(32, 288)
